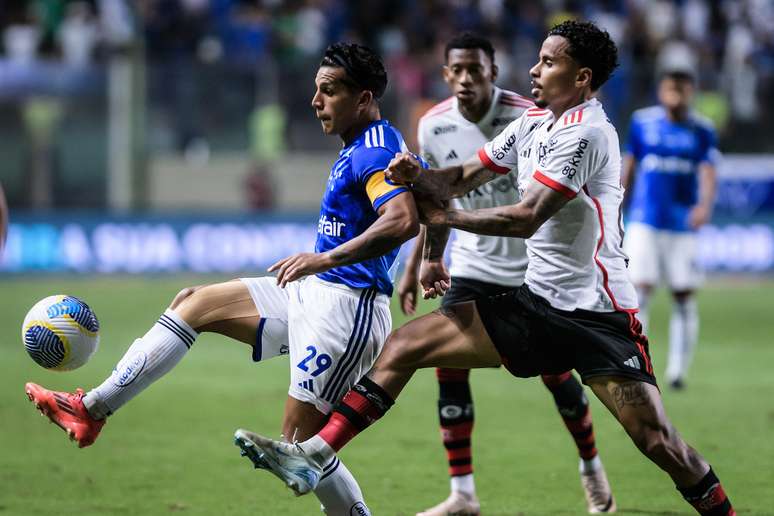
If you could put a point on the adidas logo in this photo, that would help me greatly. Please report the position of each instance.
(307, 384)
(633, 362)
(452, 155)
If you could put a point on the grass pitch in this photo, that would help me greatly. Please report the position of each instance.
(170, 450)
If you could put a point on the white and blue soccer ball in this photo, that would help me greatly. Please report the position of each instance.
(60, 332)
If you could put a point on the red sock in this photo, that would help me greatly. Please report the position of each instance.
(708, 497)
(455, 413)
(358, 409)
(573, 406)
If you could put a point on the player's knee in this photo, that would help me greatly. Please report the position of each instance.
(189, 304)
(658, 441)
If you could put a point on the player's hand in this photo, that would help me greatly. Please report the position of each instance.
(434, 278)
(408, 290)
(699, 216)
(299, 265)
(404, 168)
(431, 211)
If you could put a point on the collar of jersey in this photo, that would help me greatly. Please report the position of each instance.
(357, 139)
(591, 102)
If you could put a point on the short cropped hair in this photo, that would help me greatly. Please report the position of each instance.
(468, 40)
(364, 67)
(590, 47)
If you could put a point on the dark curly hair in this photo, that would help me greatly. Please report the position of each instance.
(590, 47)
(468, 40)
(365, 70)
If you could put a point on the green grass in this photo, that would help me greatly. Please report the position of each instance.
(170, 450)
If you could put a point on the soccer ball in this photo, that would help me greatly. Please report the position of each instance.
(60, 333)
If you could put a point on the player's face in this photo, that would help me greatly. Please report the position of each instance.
(675, 93)
(469, 73)
(556, 77)
(334, 102)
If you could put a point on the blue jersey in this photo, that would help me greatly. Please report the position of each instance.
(668, 156)
(355, 191)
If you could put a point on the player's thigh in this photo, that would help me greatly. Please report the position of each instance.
(335, 334)
(682, 269)
(452, 337)
(641, 246)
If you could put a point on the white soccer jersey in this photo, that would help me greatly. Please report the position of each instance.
(446, 138)
(576, 259)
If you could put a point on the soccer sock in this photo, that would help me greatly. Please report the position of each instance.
(683, 333)
(455, 413)
(339, 492)
(573, 406)
(708, 497)
(643, 297)
(146, 360)
(358, 409)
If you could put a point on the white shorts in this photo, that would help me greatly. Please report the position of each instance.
(333, 334)
(656, 255)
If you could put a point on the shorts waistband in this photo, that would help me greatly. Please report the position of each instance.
(354, 292)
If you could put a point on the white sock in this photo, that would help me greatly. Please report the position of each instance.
(643, 297)
(683, 334)
(146, 360)
(463, 484)
(317, 449)
(339, 492)
(590, 466)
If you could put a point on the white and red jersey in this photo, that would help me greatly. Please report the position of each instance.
(576, 260)
(446, 138)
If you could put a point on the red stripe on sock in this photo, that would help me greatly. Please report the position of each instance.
(554, 380)
(452, 375)
(459, 453)
(338, 431)
(457, 432)
(458, 471)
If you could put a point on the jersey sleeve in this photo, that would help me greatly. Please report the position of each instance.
(573, 155)
(709, 149)
(633, 143)
(501, 154)
(368, 166)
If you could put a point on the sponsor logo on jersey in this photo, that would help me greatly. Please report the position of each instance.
(656, 163)
(129, 371)
(571, 168)
(330, 227)
(451, 155)
(445, 129)
(503, 150)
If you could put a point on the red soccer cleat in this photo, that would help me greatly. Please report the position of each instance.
(67, 411)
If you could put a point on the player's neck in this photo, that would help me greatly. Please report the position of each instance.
(358, 127)
(561, 107)
(678, 114)
(475, 112)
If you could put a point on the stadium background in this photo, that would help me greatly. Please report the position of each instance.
(146, 143)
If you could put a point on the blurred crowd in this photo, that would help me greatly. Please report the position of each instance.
(213, 62)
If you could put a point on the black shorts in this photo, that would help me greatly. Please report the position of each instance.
(466, 289)
(534, 338)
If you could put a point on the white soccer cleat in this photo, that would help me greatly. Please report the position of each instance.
(287, 461)
(458, 504)
(599, 496)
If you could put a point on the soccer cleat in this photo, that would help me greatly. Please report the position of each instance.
(67, 411)
(287, 461)
(458, 504)
(599, 497)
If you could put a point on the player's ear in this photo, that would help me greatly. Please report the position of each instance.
(446, 74)
(583, 78)
(366, 96)
(495, 72)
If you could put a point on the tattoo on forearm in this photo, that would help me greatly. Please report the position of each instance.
(435, 242)
(632, 394)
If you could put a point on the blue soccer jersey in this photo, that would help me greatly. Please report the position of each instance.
(355, 191)
(668, 156)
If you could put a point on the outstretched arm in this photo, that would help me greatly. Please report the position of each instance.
(440, 183)
(398, 221)
(517, 220)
